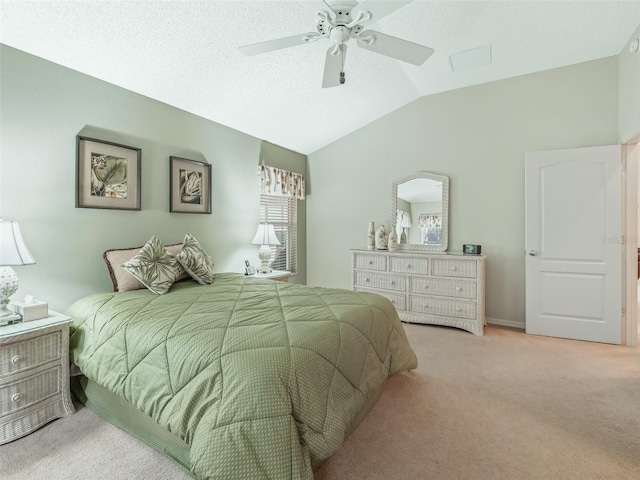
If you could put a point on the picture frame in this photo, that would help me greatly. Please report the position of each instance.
(189, 186)
(107, 174)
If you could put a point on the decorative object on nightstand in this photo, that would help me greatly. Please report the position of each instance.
(34, 375)
(13, 251)
(266, 237)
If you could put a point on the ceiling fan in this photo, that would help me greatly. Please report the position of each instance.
(344, 20)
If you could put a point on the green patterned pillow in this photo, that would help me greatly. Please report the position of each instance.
(156, 268)
(195, 260)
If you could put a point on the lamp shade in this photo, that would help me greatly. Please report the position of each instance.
(13, 250)
(265, 235)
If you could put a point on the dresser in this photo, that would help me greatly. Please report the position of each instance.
(434, 288)
(34, 375)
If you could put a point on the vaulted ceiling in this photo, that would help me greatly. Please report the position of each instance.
(185, 53)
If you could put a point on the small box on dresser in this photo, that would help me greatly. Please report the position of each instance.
(432, 288)
(34, 375)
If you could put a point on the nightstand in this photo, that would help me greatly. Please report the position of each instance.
(278, 275)
(34, 375)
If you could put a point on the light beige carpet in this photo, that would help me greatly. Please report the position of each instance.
(504, 406)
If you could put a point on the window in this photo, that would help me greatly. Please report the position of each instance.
(282, 213)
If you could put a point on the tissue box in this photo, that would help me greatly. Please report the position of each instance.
(34, 310)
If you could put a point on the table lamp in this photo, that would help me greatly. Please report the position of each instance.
(266, 237)
(13, 251)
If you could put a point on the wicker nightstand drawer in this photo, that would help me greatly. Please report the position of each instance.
(34, 375)
(29, 391)
(20, 356)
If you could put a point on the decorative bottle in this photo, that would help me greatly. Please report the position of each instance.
(393, 241)
(371, 238)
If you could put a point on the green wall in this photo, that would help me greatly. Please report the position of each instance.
(43, 106)
(478, 137)
(629, 85)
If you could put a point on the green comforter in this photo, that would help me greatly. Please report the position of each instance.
(262, 379)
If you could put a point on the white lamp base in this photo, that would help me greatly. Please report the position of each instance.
(8, 286)
(264, 254)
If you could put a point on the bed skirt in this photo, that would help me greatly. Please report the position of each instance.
(122, 414)
(117, 411)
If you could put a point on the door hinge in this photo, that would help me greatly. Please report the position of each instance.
(624, 314)
(624, 239)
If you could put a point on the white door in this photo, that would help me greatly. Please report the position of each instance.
(573, 240)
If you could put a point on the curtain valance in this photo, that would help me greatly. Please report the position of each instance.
(280, 183)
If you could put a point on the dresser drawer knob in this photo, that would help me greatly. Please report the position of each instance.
(17, 359)
(392, 282)
(458, 309)
(16, 397)
(408, 265)
(453, 269)
(426, 286)
(366, 279)
(370, 262)
(426, 306)
(458, 289)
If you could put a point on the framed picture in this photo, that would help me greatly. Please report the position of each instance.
(190, 186)
(107, 175)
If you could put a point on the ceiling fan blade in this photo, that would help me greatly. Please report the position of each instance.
(333, 65)
(377, 9)
(394, 47)
(279, 43)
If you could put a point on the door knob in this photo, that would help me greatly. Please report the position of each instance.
(532, 253)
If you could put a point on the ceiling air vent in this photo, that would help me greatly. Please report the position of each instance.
(467, 59)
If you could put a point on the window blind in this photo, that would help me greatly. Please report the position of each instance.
(282, 213)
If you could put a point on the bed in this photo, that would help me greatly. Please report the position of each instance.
(242, 378)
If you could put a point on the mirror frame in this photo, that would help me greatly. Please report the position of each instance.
(413, 247)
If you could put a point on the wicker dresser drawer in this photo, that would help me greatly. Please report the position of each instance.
(439, 306)
(408, 265)
(399, 300)
(453, 268)
(446, 288)
(437, 289)
(370, 262)
(380, 280)
(20, 356)
(24, 393)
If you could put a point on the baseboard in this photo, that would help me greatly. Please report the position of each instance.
(506, 323)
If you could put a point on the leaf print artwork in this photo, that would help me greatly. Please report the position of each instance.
(190, 187)
(108, 176)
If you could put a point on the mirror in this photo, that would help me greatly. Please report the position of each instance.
(420, 212)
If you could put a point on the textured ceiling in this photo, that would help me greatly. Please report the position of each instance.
(184, 53)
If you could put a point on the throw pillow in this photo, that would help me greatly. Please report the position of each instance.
(195, 260)
(154, 267)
